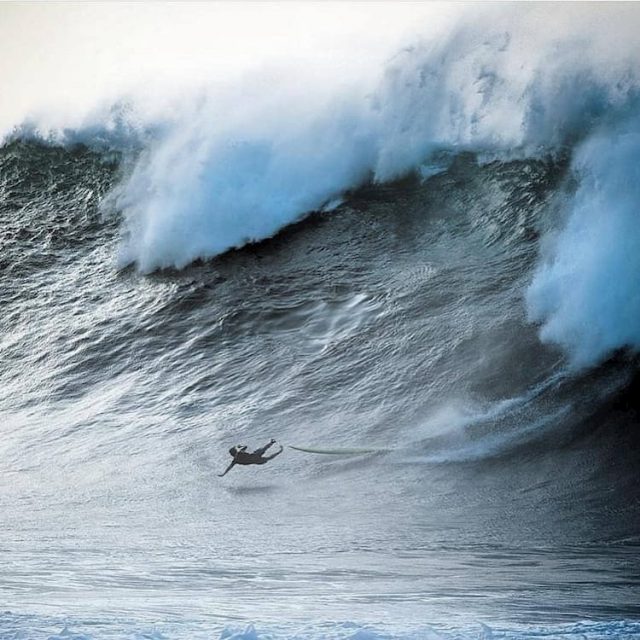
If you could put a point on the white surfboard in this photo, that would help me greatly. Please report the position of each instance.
(337, 452)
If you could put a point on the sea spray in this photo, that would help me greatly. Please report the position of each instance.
(252, 158)
(586, 292)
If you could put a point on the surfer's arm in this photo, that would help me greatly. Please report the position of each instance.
(227, 469)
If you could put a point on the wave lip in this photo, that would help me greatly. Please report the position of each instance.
(209, 187)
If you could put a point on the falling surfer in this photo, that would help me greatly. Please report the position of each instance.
(240, 455)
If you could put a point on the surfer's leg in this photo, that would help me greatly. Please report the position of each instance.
(273, 455)
(262, 450)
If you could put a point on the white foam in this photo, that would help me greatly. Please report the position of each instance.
(260, 154)
(586, 292)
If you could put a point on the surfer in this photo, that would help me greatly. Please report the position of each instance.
(242, 456)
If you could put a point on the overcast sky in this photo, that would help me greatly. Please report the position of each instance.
(67, 55)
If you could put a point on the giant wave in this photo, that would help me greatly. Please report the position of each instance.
(237, 164)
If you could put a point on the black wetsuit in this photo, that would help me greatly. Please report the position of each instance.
(242, 456)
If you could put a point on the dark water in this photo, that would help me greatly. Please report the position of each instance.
(507, 495)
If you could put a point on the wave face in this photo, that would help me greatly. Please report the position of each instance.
(442, 267)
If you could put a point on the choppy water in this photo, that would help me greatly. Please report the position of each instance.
(396, 321)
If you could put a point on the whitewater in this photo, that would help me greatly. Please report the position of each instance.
(413, 238)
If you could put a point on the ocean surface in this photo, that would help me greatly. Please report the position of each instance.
(414, 274)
